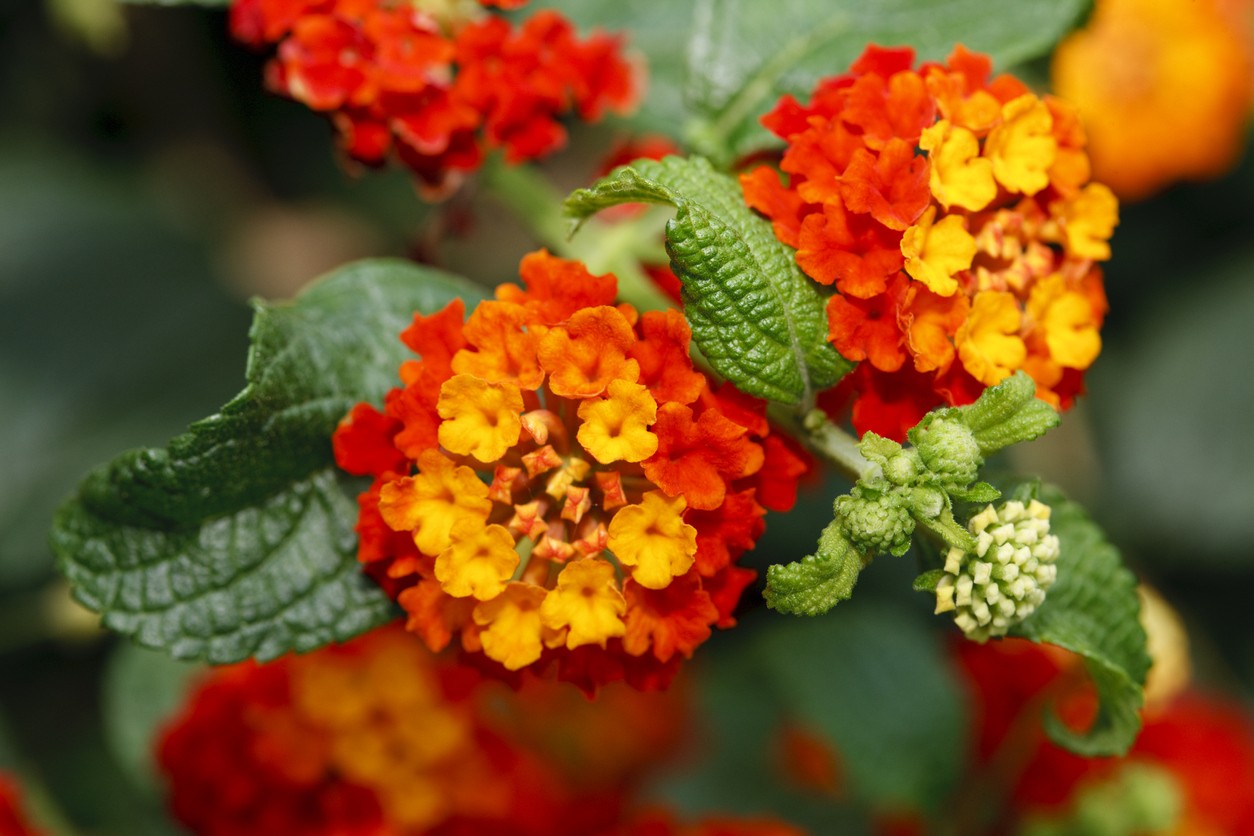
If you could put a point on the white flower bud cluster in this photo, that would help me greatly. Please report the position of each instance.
(1006, 578)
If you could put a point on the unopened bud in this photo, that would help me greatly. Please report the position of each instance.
(875, 524)
(949, 450)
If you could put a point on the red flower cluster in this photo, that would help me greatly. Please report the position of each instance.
(953, 215)
(378, 738)
(555, 483)
(437, 83)
(13, 821)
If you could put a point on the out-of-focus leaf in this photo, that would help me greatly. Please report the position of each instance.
(745, 54)
(1172, 401)
(141, 690)
(874, 682)
(207, 3)
(755, 317)
(738, 766)
(111, 331)
(1093, 610)
(237, 539)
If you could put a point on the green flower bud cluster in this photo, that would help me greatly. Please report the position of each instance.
(913, 485)
(948, 449)
(1005, 577)
(874, 521)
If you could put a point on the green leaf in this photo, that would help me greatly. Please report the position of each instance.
(927, 581)
(980, 492)
(1171, 403)
(237, 539)
(1093, 610)
(744, 55)
(757, 319)
(1007, 414)
(876, 683)
(944, 526)
(141, 690)
(817, 582)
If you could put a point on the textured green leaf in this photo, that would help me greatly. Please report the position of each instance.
(744, 55)
(1093, 610)
(927, 581)
(876, 683)
(757, 319)
(817, 582)
(237, 539)
(980, 492)
(1008, 413)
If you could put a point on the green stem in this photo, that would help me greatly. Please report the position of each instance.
(531, 199)
(618, 248)
(837, 446)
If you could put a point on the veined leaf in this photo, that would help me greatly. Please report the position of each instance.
(817, 582)
(757, 319)
(237, 539)
(1093, 610)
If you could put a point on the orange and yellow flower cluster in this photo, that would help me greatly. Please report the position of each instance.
(378, 738)
(556, 483)
(954, 216)
(340, 741)
(13, 820)
(437, 83)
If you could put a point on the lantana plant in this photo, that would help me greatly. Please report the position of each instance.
(888, 261)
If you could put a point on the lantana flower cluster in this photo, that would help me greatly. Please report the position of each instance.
(438, 83)
(953, 215)
(556, 483)
(379, 737)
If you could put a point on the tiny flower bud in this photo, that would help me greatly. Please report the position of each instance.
(949, 450)
(875, 524)
(903, 468)
(927, 503)
(1005, 579)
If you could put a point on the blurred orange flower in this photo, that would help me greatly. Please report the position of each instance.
(1163, 87)
(438, 84)
(379, 737)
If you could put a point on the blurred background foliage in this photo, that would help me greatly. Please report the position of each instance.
(149, 186)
